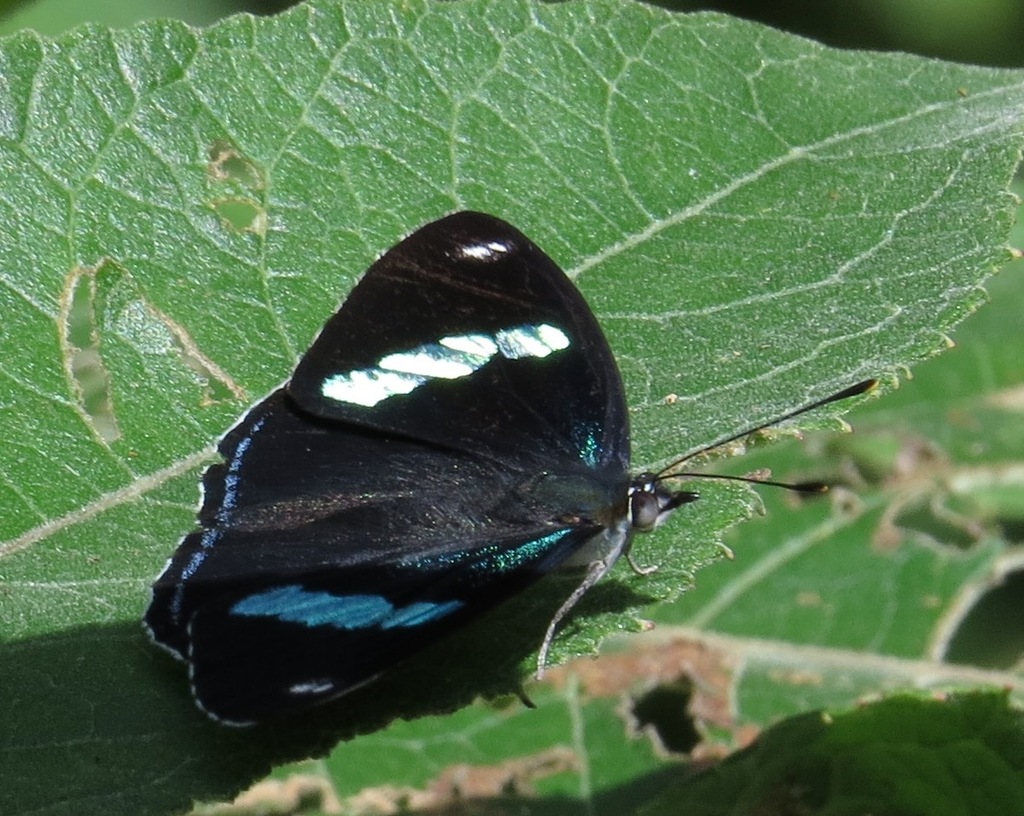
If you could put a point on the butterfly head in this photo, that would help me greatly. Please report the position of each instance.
(651, 502)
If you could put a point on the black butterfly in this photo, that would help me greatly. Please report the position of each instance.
(457, 431)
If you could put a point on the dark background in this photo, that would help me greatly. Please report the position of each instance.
(984, 32)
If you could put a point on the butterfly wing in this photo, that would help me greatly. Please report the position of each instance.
(466, 334)
(418, 469)
(328, 632)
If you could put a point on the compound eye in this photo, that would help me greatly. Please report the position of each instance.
(644, 509)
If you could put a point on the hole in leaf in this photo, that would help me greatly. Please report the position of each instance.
(228, 165)
(665, 709)
(937, 518)
(105, 312)
(123, 310)
(83, 362)
(240, 178)
(988, 635)
(1013, 529)
(240, 214)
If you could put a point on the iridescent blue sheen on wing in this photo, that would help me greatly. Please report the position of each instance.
(490, 558)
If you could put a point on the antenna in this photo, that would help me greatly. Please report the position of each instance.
(803, 487)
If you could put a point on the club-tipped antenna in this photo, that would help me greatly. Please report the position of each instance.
(801, 487)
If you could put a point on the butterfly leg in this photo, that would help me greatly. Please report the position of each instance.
(595, 572)
(637, 568)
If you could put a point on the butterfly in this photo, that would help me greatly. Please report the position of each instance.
(457, 431)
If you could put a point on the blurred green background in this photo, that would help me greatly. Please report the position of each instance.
(985, 32)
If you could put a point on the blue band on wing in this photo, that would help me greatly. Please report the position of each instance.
(293, 604)
(419, 613)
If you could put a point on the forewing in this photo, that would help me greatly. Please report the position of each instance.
(467, 335)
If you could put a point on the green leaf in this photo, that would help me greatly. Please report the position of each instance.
(908, 579)
(756, 220)
(900, 756)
